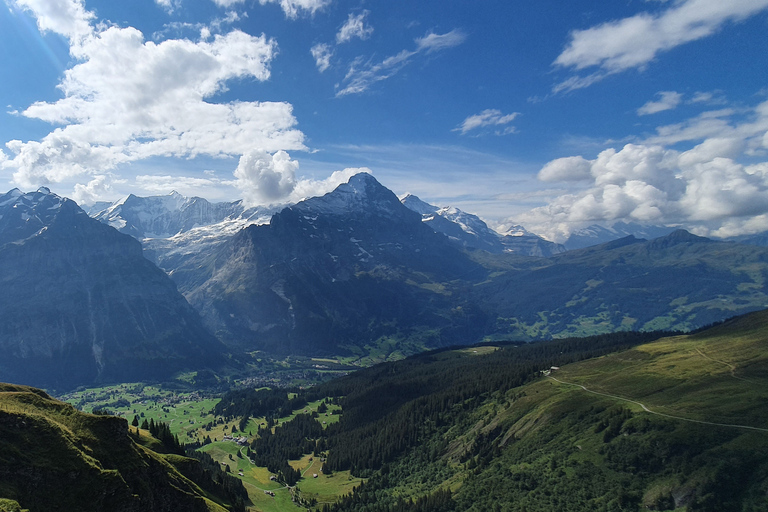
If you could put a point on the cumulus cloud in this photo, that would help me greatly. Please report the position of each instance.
(571, 168)
(269, 179)
(704, 188)
(363, 74)
(66, 17)
(265, 178)
(292, 8)
(322, 54)
(355, 26)
(488, 117)
(100, 186)
(668, 100)
(633, 42)
(169, 5)
(127, 99)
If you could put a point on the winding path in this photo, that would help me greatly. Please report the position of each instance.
(646, 409)
(729, 365)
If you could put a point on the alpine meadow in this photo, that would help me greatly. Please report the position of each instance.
(366, 256)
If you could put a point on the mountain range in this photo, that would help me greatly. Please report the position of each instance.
(357, 272)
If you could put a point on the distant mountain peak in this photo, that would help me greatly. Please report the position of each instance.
(362, 193)
(414, 203)
(678, 237)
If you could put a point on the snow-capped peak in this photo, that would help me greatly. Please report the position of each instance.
(414, 203)
(361, 193)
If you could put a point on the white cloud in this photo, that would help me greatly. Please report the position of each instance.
(571, 168)
(169, 5)
(310, 188)
(354, 27)
(292, 8)
(126, 99)
(709, 98)
(322, 54)
(66, 17)
(226, 4)
(668, 100)
(705, 188)
(488, 117)
(100, 186)
(435, 42)
(265, 178)
(362, 75)
(633, 42)
(164, 184)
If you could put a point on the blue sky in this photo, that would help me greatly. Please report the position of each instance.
(550, 114)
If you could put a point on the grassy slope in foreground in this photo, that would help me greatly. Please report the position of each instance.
(719, 375)
(53, 457)
(567, 448)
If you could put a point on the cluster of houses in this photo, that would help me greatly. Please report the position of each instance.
(241, 440)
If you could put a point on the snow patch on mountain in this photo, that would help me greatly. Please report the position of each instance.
(471, 231)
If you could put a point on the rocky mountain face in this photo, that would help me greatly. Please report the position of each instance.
(178, 233)
(470, 231)
(81, 304)
(163, 216)
(352, 268)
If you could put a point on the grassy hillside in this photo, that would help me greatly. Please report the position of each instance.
(680, 423)
(53, 457)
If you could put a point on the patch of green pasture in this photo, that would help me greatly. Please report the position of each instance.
(327, 488)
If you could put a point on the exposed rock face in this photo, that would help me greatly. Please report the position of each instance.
(163, 216)
(179, 233)
(340, 270)
(80, 304)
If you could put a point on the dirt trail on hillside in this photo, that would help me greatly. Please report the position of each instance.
(729, 365)
(646, 409)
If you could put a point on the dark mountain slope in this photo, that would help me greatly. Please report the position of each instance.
(53, 457)
(80, 304)
(352, 268)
